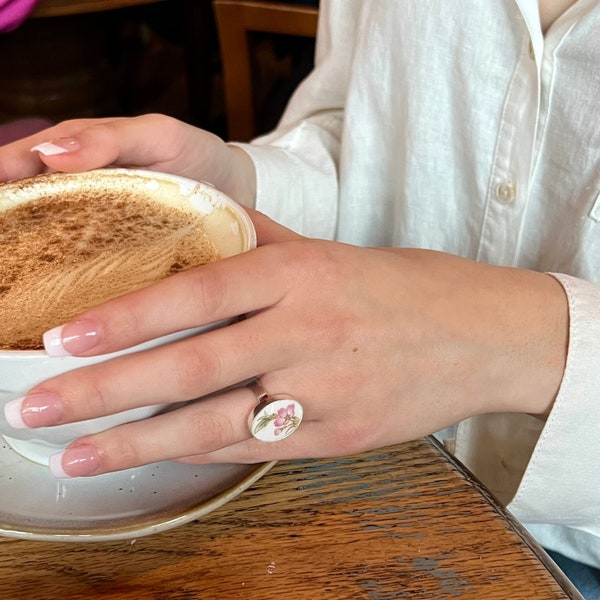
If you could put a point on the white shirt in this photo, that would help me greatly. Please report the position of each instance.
(458, 126)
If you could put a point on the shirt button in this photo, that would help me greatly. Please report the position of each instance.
(531, 52)
(506, 192)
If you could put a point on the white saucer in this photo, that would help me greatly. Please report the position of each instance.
(35, 505)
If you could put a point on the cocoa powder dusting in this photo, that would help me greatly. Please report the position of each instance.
(64, 254)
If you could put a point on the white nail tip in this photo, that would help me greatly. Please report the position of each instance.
(55, 464)
(53, 342)
(49, 149)
(12, 414)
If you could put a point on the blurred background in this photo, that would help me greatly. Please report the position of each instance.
(184, 58)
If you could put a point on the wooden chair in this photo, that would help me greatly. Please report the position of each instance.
(57, 64)
(61, 8)
(199, 40)
(235, 19)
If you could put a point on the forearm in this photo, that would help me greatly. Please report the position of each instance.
(497, 335)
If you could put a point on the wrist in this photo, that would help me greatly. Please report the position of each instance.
(542, 342)
(240, 180)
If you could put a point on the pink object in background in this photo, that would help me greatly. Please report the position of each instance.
(15, 130)
(14, 12)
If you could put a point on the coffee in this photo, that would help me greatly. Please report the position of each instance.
(67, 251)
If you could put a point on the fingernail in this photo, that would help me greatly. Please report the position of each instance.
(35, 410)
(72, 339)
(58, 146)
(77, 461)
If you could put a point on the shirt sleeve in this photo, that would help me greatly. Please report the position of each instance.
(560, 482)
(297, 164)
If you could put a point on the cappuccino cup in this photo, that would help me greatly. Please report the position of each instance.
(71, 241)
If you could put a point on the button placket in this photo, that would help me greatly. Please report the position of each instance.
(507, 191)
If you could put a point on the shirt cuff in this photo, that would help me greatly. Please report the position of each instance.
(296, 180)
(560, 483)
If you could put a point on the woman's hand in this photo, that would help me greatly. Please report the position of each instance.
(153, 142)
(379, 345)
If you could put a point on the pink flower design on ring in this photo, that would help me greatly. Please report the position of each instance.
(277, 419)
(285, 418)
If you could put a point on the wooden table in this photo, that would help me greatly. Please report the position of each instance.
(404, 522)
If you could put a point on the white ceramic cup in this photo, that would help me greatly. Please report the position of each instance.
(227, 225)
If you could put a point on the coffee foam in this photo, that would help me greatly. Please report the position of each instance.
(69, 251)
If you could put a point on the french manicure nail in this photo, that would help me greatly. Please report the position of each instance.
(58, 146)
(71, 339)
(53, 342)
(77, 461)
(12, 414)
(35, 410)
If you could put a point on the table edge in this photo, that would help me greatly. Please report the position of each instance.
(565, 583)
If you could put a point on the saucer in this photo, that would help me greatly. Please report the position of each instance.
(35, 505)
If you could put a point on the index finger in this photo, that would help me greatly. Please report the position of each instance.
(214, 292)
(18, 161)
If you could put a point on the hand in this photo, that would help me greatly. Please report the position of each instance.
(379, 345)
(153, 142)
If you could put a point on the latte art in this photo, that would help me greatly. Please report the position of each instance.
(65, 253)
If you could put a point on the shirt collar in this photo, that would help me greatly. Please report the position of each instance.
(531, 14)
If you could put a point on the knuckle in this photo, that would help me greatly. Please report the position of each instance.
(329, 331)
(349, 436)
(84, 398)
(209, 289)
(195, 367)
(326, 329)
(173, 133)
(321, 260)
(126, 320)
(124, 449)
(102, 130)
(208, 430)
(166, 123)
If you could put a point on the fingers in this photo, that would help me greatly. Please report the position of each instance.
(198, 365)
(176, 371)
(81, 145)
(269, 231)
(202, 426)
(313, 439)
(211, 430)
(148, 141)
(298, 345)
(196, 297)
(172, 373)
(18, 161)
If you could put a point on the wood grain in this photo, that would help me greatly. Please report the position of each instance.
(404, 522)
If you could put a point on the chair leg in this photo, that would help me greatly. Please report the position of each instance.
(235, 18)
(237, 75)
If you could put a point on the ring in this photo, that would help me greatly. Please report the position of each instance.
(274, 417)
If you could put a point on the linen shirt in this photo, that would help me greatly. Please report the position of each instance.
(460, 127)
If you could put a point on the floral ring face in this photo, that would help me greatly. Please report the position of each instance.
(275, 417)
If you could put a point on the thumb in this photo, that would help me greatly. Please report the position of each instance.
(269, 231)
(84, 144)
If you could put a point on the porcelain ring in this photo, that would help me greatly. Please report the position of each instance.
(274, 417)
